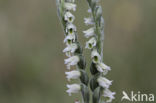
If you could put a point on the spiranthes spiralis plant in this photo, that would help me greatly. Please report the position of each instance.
(99, 84)
(73, 50)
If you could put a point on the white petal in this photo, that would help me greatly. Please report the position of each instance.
(89, 10)
(71, 61)
(109, 94)
(103, 68)
(73, 88)
(88, 21)
(70, 48)
(89, 32)
(70, 6)
(72, 74)
(104, 82)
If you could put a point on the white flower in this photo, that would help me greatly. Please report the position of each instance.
(70, 6)
(89, 10)
(95, 56)
(89, 21)
(77, 101)
(103, 68)
(91, 43)
(71, 61)
(89, 32)
(104, 82)
(73, 88)
(69, 17)
(71, 48)
(109, 94)
(71, 28)
(69, 39)
(73, 74)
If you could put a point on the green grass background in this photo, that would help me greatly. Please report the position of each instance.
(31, 43)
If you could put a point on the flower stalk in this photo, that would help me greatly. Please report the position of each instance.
(73, 50)
(98, 83)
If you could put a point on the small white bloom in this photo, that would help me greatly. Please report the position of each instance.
(89, 10)
(73, 74)
(71, 61)
(95, 56)
(109, 94)
(89, 21)
(69, 39)
(103, 68)
(70, 6)
(77, 101)
(69, 17)
(91, 43)
(104, 82)
(73, 88)
(89, 32)
(71, 48)
(71, 28)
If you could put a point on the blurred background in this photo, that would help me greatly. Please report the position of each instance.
(31, 43)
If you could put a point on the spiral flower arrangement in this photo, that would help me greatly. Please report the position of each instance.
(73, 50)
(99, 84)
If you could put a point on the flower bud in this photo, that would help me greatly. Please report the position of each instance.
(93, 4)
(98, 13)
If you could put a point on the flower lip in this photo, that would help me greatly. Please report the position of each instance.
(69, 17)
(91, 43)
(71, 28)
(95, 56)
(69, 39)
